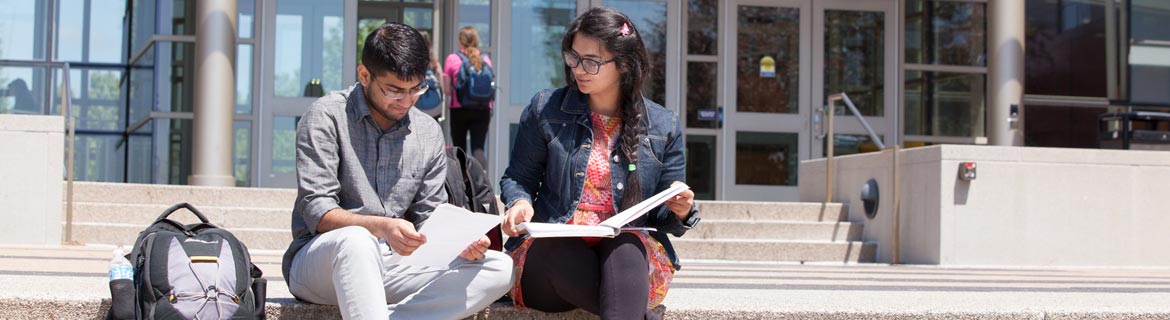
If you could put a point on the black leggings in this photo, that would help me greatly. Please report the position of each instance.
(610, 279)
(476, 121)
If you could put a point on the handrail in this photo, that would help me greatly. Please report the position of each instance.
(830, 139)
(138, 54)
(66, 103)
(158, 38)
(150, 117)
(860, 118)
(829, 170)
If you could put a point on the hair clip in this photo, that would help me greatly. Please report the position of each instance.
(633, 167)
(625, 29)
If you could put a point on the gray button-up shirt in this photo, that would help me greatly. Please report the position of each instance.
(345, 160)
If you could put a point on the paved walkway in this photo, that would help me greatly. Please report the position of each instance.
(70, 282)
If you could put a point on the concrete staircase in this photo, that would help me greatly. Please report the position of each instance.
(114, 213)
(767, 231)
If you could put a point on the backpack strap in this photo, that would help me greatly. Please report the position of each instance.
(166, 213)
(466, 63)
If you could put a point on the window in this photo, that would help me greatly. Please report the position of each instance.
(537, 30)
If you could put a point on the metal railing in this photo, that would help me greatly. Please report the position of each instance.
(830, 140)
(66, 103)
(830, 175)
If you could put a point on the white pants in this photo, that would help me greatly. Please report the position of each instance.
(346, 267)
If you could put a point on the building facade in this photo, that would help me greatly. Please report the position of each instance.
(749, 77)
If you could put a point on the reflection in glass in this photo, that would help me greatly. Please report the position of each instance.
(106, 29)
(944, 104)
(242, 152)
(768, 36)
(141, 95)
(419, 18)
(97, 98)
(70, 16)
(1065, 53)
(139, 158)
(96, 159)
(75, 89)
(478, 14)
(365, 26)
(847, 144)
(650, 19)
(766, 158)
(1149, 69)
(182, 88)
(855, 59)
(948, 33)
(178, 150)
(1148, 19)
(701, 167)
(20, 25)
(331, 55)
(284, 138)
(22, 89)
(247, 13)
(308, 46)
(537, 29)
(702, 107)
(702, 34)
(243, 79)
(1063, 127)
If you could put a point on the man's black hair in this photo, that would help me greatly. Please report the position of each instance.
(398, 49)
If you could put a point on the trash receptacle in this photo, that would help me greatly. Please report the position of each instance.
(1137, 130)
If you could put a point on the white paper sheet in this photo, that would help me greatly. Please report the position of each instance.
(449, 230)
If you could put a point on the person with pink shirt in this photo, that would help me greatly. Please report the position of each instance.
(468, 119)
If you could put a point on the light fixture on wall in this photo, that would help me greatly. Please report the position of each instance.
(870, 197)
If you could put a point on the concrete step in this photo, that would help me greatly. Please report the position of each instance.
(775, 250)
(97, 233)
(70, 282)
(243, 217)
(776, 230)
(789, 211)
(130, 193)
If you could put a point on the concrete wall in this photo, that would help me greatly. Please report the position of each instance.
(31, 171)
(1027, 207)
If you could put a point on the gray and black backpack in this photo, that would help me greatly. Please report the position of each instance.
(195, 271)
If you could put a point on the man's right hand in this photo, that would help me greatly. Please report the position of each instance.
(521, 211)
(399, 234)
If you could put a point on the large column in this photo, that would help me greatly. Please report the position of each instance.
(215, 83)
(1005, 71)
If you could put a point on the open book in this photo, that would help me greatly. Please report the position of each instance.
(610, 227)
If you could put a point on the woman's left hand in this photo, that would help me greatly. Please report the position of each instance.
(681, 203)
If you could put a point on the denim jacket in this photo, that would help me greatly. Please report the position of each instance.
(551, 152)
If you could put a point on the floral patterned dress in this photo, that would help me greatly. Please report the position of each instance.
(596, 205)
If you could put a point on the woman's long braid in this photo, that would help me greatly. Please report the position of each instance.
(632, 112)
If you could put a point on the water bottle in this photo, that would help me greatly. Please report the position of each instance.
(120, 268)
(122, 293)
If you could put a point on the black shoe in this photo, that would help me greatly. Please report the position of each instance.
(658, 312)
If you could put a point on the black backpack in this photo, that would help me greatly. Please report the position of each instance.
(468, 187)
(194, 271)
(474, 89)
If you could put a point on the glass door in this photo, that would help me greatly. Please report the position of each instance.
(855, 52)
(766, 70)
(782, 60)
(311, 47)
(304, 50)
